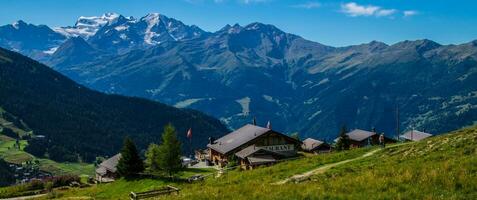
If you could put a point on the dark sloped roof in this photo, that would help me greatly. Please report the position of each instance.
(309, 144)
(415, 135)
(261, 159)
(237, 138)
(109, 164)
(247, 151)
(360, 135)
(252, 149)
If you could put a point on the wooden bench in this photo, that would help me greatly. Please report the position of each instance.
(197, 177)
(153, 193)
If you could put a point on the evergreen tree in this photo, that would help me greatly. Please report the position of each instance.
(152, 158)
(130, 164)
(170, 151)
(343, 142)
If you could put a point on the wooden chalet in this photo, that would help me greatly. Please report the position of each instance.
(414, 135)
(252, 146)
(362, 138)
(107, 171)
(315, 146)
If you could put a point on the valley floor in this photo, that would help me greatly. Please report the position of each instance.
(17, 156)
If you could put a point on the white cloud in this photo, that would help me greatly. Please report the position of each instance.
(355, 10)
(409, 13)
(253, 1)
(308, 5)
(385, 12)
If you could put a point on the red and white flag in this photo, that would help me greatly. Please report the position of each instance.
(269, 125)
(189, 133)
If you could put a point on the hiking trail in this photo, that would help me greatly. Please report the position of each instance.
(305, 176)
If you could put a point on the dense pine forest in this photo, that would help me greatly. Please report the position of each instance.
(81, 124)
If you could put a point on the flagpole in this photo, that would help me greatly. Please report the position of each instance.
(189, 135)
(190, 145)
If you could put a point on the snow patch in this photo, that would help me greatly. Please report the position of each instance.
(121, 28)
(271, 99)
(314, 115)
(186, 103)
(245, 103)
(151, 20)
(51, 51)
(123, 36)
(15, 25)
(310, 101)
(326, 80)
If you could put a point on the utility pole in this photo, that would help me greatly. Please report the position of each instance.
(397, 121)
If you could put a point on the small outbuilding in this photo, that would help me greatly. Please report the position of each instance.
(315, 146)
(414, 135)
(361, 138)
(107, 171)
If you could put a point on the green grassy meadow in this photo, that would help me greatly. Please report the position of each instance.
(442, 167)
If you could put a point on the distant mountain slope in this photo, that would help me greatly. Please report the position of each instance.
(257, 70)
(79, 121)
(34, 41)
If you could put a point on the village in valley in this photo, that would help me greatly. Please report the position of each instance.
(253, 146)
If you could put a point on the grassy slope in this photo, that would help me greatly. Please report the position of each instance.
(16, 156)
(120, 189)
(443, 167)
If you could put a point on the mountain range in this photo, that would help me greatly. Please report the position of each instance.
(241, 72)
(81, 124)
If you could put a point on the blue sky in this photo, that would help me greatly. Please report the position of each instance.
(331, 22)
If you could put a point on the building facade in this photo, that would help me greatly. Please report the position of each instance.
(252, 146)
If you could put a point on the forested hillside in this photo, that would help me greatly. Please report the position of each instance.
(80, 123)
(6, 175)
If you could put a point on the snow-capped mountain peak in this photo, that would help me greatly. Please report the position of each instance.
(86, 27)
(17, 24)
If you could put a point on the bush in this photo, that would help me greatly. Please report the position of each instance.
(37, 147)
(65, 180)
(9, 132)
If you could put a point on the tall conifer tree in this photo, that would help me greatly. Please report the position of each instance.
(170, 151)
(343, 142)
(130, 164)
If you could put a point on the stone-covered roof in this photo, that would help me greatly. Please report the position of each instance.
(415, 135)
(360, 135)
(109, 165)
(309, 144)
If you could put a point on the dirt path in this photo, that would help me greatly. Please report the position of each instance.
(323, 168)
